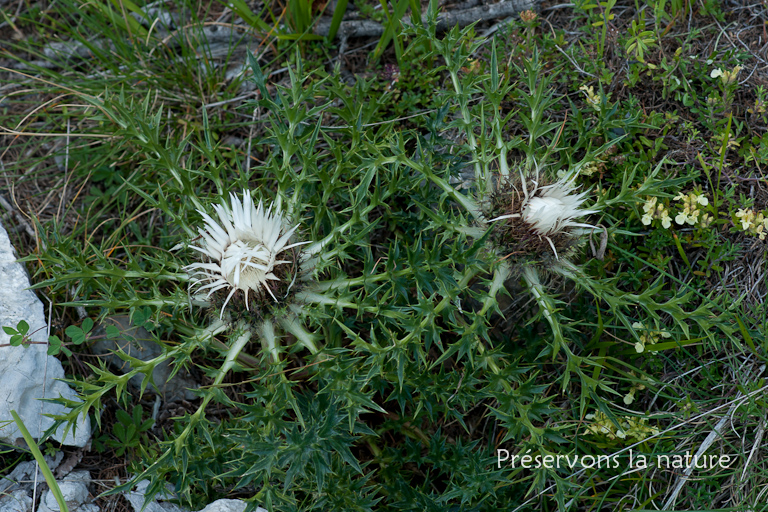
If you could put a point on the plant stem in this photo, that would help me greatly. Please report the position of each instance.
(531, 276)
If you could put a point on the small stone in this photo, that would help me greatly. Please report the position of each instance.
(23, 475)
(136, 499)
(17, 501)
(224, 505)
(138, 343)
(74, 490)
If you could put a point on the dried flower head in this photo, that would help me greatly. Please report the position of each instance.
(528, 16)
(242, 249)
(533, 217)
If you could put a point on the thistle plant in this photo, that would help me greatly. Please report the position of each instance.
(532, 221)
(339, 299)
(242, 256)
(535, 225)
(316, 334)
(544, 213)
(247, 275)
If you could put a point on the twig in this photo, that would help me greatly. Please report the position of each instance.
(578, 68)
(19, 217)
(66, 174)
(446, 21)
(714, 434)
(755, 446)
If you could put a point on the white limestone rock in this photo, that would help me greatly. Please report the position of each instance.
(28, 373)
(26, 474)
(17, 501)
(74, 490)
(228, 506)
(136, 499)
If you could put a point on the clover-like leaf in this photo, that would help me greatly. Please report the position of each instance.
(54, 345)
(76, 334)
(112, 332)
(23, 327)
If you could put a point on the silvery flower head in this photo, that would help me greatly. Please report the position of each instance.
(554, 208)
(247, 249)
(532, 218)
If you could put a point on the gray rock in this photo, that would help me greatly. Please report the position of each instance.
(138, 343)
(65, 50)
(74, 490)
(161, 20)
(23, 475)
(29, 374)
(17, 501)
(136, 499)
(228, 506)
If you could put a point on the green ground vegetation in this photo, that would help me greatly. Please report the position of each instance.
(424, 353)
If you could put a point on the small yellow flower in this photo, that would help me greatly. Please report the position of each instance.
(636, 428)
(666, 220)
(592, 98)
(648, 337)
(690, 213)
(730, 76)
(727, 77)
(746, 216)
(654, 210)
(590, 169)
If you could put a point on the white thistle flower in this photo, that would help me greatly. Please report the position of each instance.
(551, 209)
(242, 248)
(555, 208)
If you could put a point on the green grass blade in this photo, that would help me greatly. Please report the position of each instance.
(338, 14)
(50, 480)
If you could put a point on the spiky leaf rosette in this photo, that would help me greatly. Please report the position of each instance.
(536, 221)
(247, 250)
